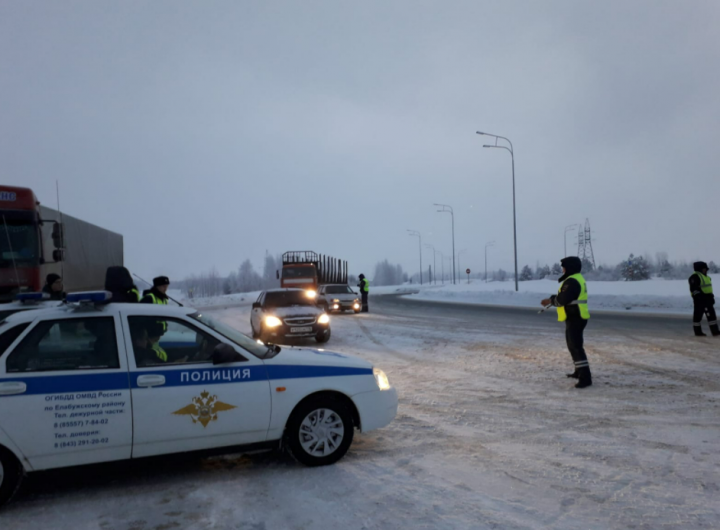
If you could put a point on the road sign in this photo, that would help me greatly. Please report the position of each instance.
(467, 271)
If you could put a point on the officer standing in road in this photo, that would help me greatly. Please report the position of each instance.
(364, 286)
(703, 299)
(158, 293)
(571, 303)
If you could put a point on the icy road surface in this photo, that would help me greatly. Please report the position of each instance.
(490, 434)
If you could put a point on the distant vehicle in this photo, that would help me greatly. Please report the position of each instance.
(305, 269)
(338, 297)
(288, 314)
(81, 384)
(35, 241)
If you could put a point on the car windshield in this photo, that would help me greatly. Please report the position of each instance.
(242, 340)
(338, 289)
(18, 243)
(298, 272)
(288, 299)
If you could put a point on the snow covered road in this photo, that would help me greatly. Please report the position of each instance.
(490, 434)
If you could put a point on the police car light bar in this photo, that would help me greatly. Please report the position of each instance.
(31, 297)
(88, 296)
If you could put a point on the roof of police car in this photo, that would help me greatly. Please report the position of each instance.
(107, 308)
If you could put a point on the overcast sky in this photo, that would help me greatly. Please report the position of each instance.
(209, 132)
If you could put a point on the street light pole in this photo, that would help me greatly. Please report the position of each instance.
(442, 267)
(416, 233)
(486, 247)
(568, 228)
(512, 157)
(452, 214)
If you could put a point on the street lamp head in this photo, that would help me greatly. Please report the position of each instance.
(480, 133)
(489, 146)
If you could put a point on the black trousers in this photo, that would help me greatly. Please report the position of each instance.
(574, 337)
(704, 309)
(365, 307)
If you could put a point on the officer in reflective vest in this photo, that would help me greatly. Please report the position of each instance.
(364, 287)
(157, 295)
(571, 302)
(703, 299)
(155, 332)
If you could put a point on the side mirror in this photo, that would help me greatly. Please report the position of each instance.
(354, 292)
(58, 255)
(224, 353)
(256, 305)
(58, 236)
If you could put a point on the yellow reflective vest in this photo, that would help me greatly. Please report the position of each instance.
(156, 300)
(137, 293)
(581, 302)
(161, 354)
(705, 283)
(365, 285)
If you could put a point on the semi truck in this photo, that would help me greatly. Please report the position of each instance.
(305, 269)
(36, 240)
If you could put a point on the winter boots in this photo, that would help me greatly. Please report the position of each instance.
(714, 329)
(698, 331)
(574, 375)
(584, 377)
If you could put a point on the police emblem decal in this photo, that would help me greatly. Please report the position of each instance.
(204, 408)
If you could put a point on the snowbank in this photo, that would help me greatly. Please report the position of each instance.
(657, 295)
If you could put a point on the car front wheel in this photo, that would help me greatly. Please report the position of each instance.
(11, 474)
(319, 432)
(322, 336)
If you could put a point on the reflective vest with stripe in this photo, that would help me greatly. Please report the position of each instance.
(156, 300)
(161, 354)
(137, 293)
(365, 285)
(581, 302)
(705, 283)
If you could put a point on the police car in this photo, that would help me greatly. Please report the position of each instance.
(27, 302)
(93, 382)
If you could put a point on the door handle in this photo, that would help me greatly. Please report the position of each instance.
(148, 381)
(12, 388)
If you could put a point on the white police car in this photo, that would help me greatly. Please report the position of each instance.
(91, 382)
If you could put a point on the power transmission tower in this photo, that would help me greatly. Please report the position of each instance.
(585, 250)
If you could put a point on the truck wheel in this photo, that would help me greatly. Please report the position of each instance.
(11, 473)
(319, 432)
(322, 337)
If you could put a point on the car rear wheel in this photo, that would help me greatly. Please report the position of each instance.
(320, 432)
(11, 473)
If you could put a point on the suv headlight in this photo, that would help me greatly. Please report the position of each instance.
(381, 379)
(324, 319)
(272, 321)
(336, 300)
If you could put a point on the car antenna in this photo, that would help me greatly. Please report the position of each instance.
(147, 282)
(12, 255)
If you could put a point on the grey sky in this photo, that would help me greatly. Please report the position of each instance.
(208, 132)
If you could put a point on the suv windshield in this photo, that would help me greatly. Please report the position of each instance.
(242, 340)
(19, 243)
(287, 299)
(298, 272)
(338, 289)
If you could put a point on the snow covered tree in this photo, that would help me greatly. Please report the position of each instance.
(556, 269)
(587, 265)
(387, 274)
(248, 279)
(270, 269)
(635, 269)
(526, 274)
(712, 266)
(665, 269)
(499, 275)
(542, 272)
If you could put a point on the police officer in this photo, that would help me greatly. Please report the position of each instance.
(571, 303)
(157, 295)
(703, 299)
(54, 287)
(119, 282)
(364, 286)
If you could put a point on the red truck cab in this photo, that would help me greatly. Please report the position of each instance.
(305, 269)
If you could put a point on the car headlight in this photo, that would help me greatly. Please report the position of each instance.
(310, 293)
(336, 306)
(324, 319)
(336, 300)
(272, 321)
(381, 379)
(356, 306)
